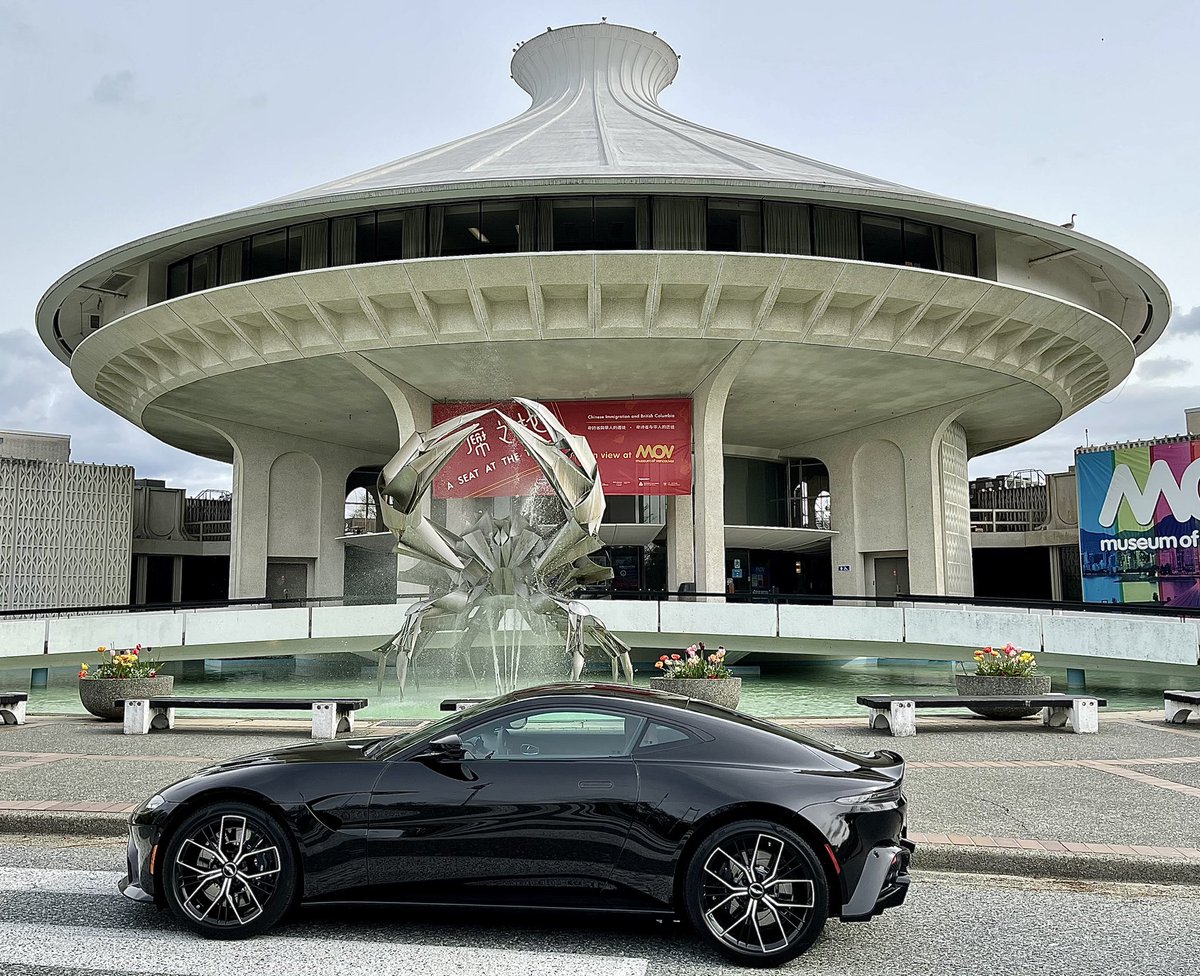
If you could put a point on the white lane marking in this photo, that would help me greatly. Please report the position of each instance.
(60, 882)
(152, 950)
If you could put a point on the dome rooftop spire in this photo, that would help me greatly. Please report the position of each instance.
(603, 57)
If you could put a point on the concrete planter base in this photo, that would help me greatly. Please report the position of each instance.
(987, 684)
(719, 691)
(98, 694)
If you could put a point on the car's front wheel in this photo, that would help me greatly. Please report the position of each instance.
(756, 892)
(229, 871)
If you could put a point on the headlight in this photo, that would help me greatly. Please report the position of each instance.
(155, 801)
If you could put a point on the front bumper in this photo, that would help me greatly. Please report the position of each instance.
(138, 883)
(883, 883)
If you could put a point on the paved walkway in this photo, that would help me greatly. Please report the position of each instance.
(982, 795)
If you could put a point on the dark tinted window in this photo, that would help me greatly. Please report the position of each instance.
(204, 271)
(659, 738)
(177, 279)
(499, 227)
(572, 224)
(835, 233)
(615, 225)
(389, 237)
(882, 239)
(268, 254)
(554, 733)
(919, 250)
(734, 225)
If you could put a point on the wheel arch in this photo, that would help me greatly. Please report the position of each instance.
(233, 794)
(761, 811)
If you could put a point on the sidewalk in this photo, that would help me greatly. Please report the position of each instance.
(1011, 798)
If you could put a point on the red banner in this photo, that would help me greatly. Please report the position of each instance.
(642, 447)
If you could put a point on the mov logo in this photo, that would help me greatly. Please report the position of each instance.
(655, 452)
(1182, 496)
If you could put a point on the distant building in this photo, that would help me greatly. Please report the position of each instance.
(65, 535)
(1028, 528)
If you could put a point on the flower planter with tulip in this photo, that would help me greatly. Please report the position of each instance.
(120, 675)
(1006, 670)
(697, 673)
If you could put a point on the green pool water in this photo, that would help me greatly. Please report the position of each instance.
(817, 688)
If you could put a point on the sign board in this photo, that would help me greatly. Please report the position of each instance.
(1139, 523)
(642, 447)
(843, 569)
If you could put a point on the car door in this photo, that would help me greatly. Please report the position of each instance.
(538, 811)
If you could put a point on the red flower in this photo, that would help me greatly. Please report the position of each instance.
(674, 657)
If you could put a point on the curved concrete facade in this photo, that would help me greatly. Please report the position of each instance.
(891, 376)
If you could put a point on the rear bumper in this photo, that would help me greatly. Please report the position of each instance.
(883, 883)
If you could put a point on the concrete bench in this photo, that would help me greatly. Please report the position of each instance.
(1177, 705)
(329, 715)
(897, 713)
(12, 707)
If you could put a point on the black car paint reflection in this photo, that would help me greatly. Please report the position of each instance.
(382, 819)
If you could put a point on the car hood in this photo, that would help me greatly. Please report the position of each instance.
(338, 751)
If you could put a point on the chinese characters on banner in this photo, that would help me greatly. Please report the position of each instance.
(643, 447)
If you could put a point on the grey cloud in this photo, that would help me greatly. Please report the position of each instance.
(1185, 324)
(37, 393)
(1161, 367)
(116, 89)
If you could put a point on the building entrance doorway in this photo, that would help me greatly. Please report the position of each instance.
(287, 581)
(891, 576)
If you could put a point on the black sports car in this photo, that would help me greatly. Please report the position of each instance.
(565, 796)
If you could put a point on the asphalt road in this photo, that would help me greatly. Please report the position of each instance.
(60, 914)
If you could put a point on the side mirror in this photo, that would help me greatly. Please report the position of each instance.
(449, 748)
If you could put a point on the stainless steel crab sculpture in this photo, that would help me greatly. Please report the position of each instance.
(503, 576)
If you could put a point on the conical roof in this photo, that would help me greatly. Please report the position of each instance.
(595, 116)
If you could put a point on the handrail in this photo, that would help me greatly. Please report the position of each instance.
(662, 596)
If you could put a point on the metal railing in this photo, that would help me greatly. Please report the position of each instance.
(760, 597)
(1006, 519)
(212, 530)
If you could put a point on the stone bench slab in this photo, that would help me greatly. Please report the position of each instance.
(329, 715)
(897, 713)
(1178, 705)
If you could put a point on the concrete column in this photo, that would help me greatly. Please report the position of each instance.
(708, 476)
(681, 554)
(899, 488)
(1056, 583)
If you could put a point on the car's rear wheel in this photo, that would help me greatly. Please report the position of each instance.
(229, 871)
(756, 892)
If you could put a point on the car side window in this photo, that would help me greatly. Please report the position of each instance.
(554, 734)
(660, 738)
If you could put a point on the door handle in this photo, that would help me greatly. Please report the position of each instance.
(595, 784)
(529, 749)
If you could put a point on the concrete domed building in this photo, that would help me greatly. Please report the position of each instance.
(845, 344)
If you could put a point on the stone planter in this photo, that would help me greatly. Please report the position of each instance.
(988, 684)
(719, 691)
(98, 694)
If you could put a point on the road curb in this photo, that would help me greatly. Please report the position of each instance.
(1047, 864)
(52, 823)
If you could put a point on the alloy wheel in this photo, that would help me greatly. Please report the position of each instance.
(226, 870)
(756, 892)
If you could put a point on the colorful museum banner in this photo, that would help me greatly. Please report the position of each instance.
(642, 447)
(1139, 523)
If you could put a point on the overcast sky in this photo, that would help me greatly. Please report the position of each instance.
(118, 119)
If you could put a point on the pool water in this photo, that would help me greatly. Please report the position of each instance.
(817, 688)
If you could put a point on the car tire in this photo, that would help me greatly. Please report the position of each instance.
(229, 871)
(756, 892)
